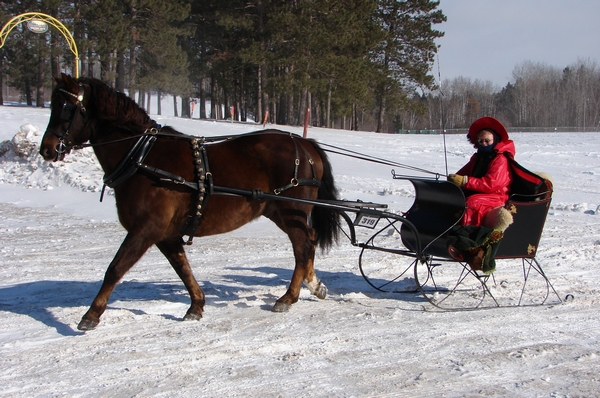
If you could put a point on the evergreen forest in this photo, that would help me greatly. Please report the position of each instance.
(355, 64)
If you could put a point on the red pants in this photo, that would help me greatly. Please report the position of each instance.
(478, 205)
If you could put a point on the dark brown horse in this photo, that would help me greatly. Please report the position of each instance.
(168, 185)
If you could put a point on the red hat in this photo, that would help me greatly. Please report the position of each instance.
(487, 123)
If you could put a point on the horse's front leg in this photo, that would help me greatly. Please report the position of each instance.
(174, 252)
(131, 250)
(304, 244)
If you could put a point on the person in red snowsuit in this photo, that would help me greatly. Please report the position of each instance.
(486, 178)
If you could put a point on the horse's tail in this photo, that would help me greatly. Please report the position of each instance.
(324, 220)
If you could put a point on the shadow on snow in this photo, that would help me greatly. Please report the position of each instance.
(36, 299)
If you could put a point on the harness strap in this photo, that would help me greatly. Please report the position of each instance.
(166, 176)
(129, 164)
(295, 181)
(203, 181)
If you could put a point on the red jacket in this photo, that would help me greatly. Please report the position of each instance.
(491, 190)
(498, 177)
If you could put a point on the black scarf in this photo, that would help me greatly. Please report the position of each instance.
(482, 163)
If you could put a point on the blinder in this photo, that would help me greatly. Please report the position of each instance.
(67, 111)
(67, 114)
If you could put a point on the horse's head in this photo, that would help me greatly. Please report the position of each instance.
(67, 127)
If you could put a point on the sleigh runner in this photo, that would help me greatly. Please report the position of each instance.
(168, 184)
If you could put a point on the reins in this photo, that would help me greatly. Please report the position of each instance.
(155, 131)
(373, 159)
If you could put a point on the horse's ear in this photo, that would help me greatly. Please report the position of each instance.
(67, 79)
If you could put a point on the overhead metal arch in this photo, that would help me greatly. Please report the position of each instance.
(50, 20)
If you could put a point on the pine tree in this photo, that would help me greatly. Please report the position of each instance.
(108, 32)
(405, 56)
(162, 64)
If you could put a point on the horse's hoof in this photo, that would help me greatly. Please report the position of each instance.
(192, 317)
(281, 307)
(87, 324)
(321, 291)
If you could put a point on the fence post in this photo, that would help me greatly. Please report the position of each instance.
(306, 117)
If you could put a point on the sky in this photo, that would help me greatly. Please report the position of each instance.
(486, 39)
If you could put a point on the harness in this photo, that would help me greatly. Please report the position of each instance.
(203, 184)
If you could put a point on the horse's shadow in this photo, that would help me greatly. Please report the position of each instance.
(36, 299)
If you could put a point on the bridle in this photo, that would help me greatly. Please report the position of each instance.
(68, 114)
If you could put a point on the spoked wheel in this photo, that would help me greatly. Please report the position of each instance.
(453, 286)
(384, 266)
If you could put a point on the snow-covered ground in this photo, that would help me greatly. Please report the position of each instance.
(57, 240)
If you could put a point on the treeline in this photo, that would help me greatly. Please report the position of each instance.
(538, 95)
(356, 64)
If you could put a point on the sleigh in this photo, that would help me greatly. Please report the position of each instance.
(445, 281)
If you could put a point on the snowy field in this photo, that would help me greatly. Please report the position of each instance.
(57, 240)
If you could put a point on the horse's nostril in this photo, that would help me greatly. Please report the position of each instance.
(45, 152)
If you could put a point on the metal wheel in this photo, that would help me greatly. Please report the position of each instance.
(383, 265)
(452, 285)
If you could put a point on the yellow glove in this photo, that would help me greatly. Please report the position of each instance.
(457, 179)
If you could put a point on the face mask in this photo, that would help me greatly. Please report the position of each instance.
(485, 149)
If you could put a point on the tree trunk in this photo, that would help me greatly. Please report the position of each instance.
(175, 106)
(382, 109)
(158, 102)
(90, 69)
(265, 94)
(185, 107)
(54, 61)
(105, 70)
(132, 68)
(120, 79)
(213, 99)
(142, 98)
(328, 112)
(202, 103)
(289, 119)
(28, 92)
(259, 104)
(39, 99)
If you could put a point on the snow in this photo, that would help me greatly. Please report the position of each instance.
(57, 240)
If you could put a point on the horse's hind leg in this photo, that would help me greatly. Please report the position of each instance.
(173, 251)
(131, 250)
(303, 240)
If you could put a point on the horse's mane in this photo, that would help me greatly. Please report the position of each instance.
(116, 108)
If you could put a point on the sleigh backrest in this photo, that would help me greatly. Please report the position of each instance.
(529, 212)
(527, 184)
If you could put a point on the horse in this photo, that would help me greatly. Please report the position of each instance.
(169, 185)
